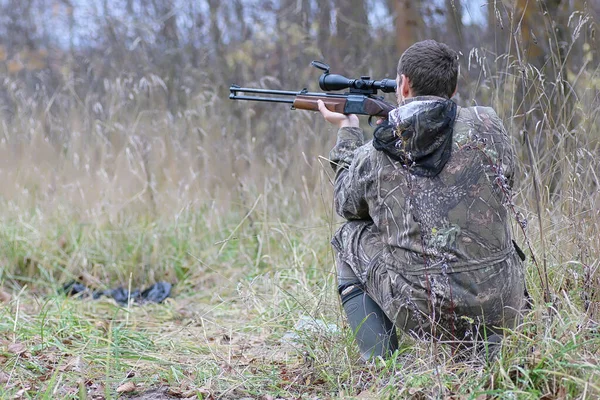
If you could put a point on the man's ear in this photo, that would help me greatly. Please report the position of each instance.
(405, 87)
(455, 90)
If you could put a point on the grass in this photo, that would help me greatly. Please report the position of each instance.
(223, 334)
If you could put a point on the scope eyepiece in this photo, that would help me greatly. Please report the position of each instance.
(386, 85)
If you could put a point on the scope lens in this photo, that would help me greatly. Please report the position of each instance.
(333, 82)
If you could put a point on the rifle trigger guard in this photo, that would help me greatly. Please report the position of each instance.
(371, 122)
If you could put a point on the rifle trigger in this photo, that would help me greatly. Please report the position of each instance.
(371, 122)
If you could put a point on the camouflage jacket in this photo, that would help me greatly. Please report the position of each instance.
(436, 183)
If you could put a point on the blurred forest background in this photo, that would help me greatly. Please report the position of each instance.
(120, 107)
(123, 161)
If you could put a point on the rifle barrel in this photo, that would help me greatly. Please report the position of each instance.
(257, 98)
(235, 89)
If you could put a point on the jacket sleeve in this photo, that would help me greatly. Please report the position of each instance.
(351, 163)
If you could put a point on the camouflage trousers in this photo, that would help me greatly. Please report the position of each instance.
(449, 306)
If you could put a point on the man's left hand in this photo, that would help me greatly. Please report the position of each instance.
(338, 119)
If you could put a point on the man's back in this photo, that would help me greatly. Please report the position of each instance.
(441, 235)
(456, 220)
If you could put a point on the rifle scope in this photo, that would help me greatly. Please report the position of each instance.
(364, 85)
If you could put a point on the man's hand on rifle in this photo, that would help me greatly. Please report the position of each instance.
(338, 119)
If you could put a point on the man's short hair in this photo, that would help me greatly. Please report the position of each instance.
(432, 68)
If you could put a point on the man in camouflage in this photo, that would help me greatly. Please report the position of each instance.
(427, 246)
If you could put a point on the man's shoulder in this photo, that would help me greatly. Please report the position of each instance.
(477, 120)
(477, 114)
(481, 127)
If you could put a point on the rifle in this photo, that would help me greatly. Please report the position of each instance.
(361, 99)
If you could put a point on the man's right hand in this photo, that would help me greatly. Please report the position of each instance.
(338, 119)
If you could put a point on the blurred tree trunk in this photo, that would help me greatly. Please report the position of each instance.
(563, 102)
(352, 37)
(454, 21)
(168, 37)
(244, 31)
(215, 35)
(70, 12)
(498, 27)
(543, 43)
(408, 23)
(115, 43)
(556, 28)
(283, 29)
(541, 27)
(293, 24)
(302, 14)
(242, 34)
(527, 20)
(19, 24)
(542, 37)
(324, 33)
(196, 26)
(165, 11)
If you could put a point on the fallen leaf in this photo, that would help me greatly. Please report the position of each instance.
(96, 391)
(49, 355)
(206, 394)
(127, 387)
(184, 391)
(102, 325)
(74, 364)
(5, 297)
(175, 392)
(22, 392)
(68, 390)
(367, 395)
(89, 280)
(4, 378)
(17, 348)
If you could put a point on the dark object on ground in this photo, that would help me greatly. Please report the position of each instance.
(156, 293)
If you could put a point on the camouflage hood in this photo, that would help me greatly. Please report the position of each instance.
(419, 134)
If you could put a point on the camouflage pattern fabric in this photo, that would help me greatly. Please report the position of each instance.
(435, 252)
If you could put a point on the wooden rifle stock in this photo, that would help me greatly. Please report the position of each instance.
(363, 105)
(335, 104)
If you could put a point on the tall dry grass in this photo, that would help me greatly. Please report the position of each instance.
(127, 151)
